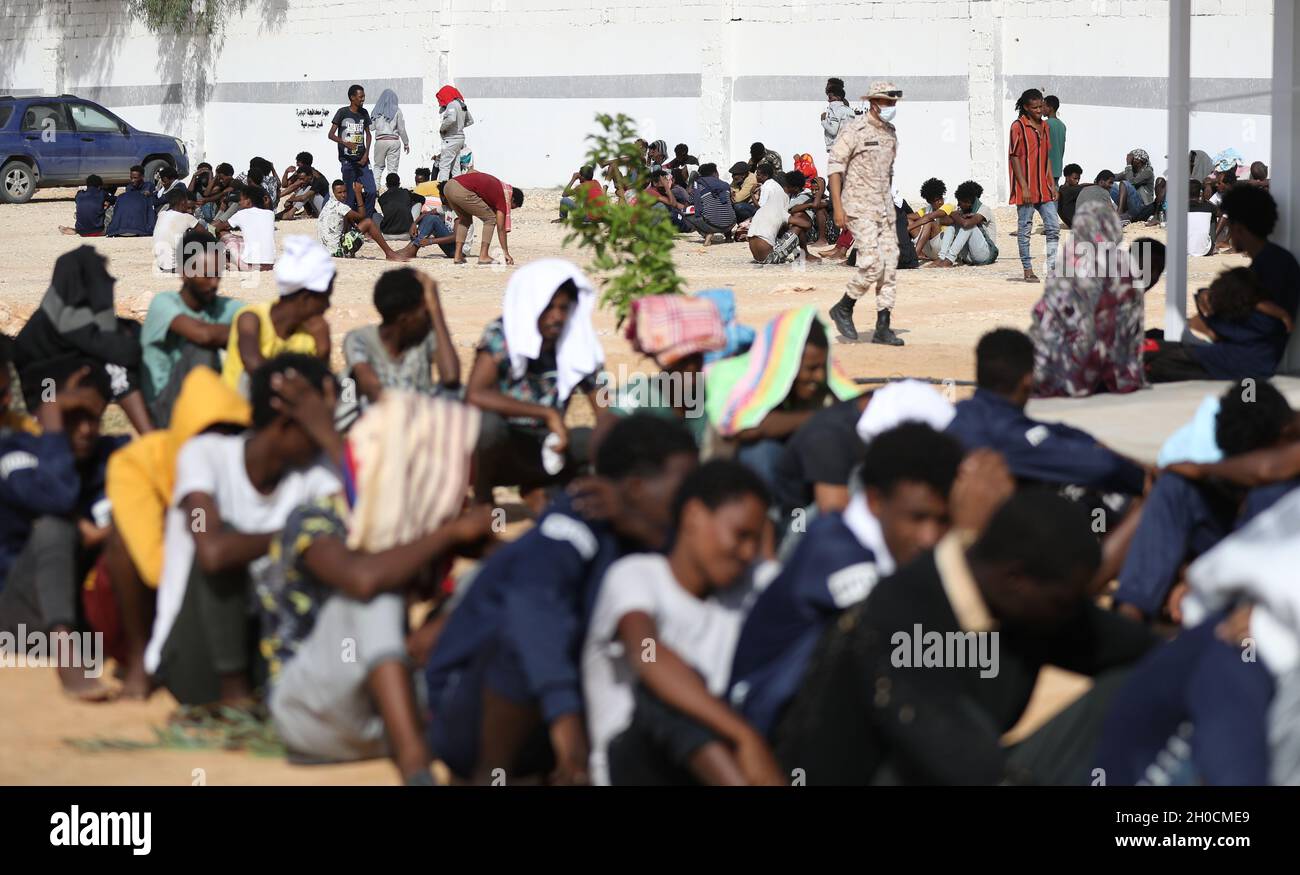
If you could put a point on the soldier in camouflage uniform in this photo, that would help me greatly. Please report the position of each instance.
(861, 173)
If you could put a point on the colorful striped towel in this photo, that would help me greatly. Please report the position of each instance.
(741, 391)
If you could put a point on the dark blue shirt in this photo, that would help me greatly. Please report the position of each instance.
(39, 476)
(538, 592)
(712, 199)
(1279, 273)
(90, 211)
(829, 571)
(1040, 451)
(1249, 347)
(133, 214)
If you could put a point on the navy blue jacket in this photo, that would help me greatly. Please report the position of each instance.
(133, 214)
(537, 592)
(1041, 451)
(38, 477)
(829, 571)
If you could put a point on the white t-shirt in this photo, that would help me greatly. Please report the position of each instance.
(167, 232)
(772, 214)
(987, 212)
(771, 187)
(258, 227)
(214, 463)
(702, 632)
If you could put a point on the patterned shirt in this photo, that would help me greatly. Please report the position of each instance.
(289, 597)
(540, 381)
(331, 223)
(864, 153)
(1033, 144)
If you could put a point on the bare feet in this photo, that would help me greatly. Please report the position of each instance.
(64, 229)
(78, 685)
(808, 256)
(399, 256)
(136, 683)
(487, 261)
(820, 241)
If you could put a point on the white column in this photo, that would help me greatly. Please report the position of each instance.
(983, 95)
(1180, 38)
(1284, 169)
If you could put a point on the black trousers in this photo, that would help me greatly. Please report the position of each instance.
(509, 454)
(656, 748)
(214, 635)
(1172, 363)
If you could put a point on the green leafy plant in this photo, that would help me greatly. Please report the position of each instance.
(631, 243)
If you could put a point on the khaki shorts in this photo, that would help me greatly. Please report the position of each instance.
(467, 204)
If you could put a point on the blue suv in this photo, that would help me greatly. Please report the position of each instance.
(59, 141)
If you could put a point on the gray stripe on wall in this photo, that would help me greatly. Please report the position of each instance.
(1133, 92)
(1144, 92)
(751, 89)
(130, 95)
(568, 87)
(409, 90)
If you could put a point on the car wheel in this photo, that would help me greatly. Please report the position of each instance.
(17, 182)
(152, 169)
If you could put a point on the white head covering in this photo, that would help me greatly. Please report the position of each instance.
(304, 264)
(578, 353)
(904, 401)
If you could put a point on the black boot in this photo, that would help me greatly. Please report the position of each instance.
(842, 316)
(884, 334)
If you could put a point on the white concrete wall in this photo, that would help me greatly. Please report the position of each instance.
(716, 75)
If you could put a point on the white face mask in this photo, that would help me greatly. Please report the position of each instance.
(887, 113)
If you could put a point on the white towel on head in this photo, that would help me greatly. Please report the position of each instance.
(904, 401)
(304, 264)
(578, 353)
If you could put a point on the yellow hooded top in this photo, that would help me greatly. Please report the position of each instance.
(141, 475)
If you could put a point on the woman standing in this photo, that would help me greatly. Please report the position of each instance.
(390, 131)
(455, 119)
(837, 111)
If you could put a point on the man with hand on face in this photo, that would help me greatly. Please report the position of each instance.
(861, 173)
(51, 491)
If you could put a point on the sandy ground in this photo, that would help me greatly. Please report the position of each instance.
(940, 313)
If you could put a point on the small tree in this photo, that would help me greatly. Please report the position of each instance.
(181, 16)
(631, 243)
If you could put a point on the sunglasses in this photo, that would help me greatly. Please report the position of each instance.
(894, 94)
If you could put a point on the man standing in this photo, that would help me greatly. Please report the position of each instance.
(1033, 188)
(861, 172)
(350, 128)
(1056, 128)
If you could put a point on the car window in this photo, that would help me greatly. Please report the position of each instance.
(5, 113)
(87, 118)
(45, 116)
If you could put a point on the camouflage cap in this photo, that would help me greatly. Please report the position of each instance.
(884, 88)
